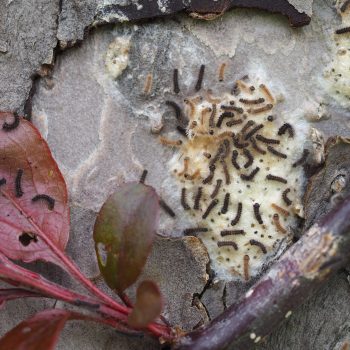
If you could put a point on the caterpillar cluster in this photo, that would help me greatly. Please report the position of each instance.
(225, 155)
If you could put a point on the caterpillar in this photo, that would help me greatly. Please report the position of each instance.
(276, 220)
(342, 30)
(266, 140)
(281, 210)
(226, 172)
(171, 143)
(226, 204)
(344, 6)
(238, 215)
(176, 81)
(286, 127)
(250, 177)
(166, 208)
(232, 108)
(256, 207)
(246, 267)
(143, 176)
(194, 230)
(266, 92)
(209, 178)
(49, 200)
(234, 159)
(222, 71)
(238, 144)
(258, 244)
(222, 117)
(11, 126)
(232, 232)
(210, 207)
(249, 134)
(256, 146)
(18, 183)
(216, 189)
(200, 78)
(148, 84)
(276, 153)
(249, 157)
(285, 197)
(234, 122)
(227, 244)
(198, 198)
(183, 199)
(276, 178)
(302, 160)
(212, 116)
(248, 124)
(261, 109)
(252, 102)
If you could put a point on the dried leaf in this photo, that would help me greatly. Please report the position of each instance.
(148, 305)
(34, 197)
(39, 332)
(124, 232)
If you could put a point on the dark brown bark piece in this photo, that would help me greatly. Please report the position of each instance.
(151, 9)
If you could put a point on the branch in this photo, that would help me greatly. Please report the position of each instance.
(297, 274)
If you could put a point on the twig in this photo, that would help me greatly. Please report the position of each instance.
(322, 250)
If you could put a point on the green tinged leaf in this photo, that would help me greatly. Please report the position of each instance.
(124, 232)
(148, 305)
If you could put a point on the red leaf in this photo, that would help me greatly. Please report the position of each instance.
(148, 305)
(39, 332)
(15, 293)
(124, 232)
(29, 169)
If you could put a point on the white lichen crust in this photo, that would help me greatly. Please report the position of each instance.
(236, 140)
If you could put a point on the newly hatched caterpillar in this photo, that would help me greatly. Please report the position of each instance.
(222, 71)
(232, 232)
(276, 178)
(250, 177)
(216, 189)
(256, 146)
(281, 210)
(211, 206)
(166, 208)
(276, 220)
(249, 157)
(276, 153)
(44, 197)
(195, 230)
(226, 204)
(267, 140)
(252, 102)
(227, 244)
(256, 207)
(249, 134)
(148, 84)
(234, 159)
(226, 172)
(258, 244)
(285, 197)
(198, 198)
(261, 109)
(176, 81)
(200, 78)
(11, 126)
(286, 127)
(246, 267)
(18, 183)
(222, 117)
(238, 214)
(143, 177)
(266, 92)
(183, 199)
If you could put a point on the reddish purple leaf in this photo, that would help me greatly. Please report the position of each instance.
(39, 332)
(148, 305)
(34, 197)
(124, 232)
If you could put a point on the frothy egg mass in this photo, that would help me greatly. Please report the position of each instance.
(239, 170)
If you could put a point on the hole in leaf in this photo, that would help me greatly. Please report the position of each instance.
(27, 237)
